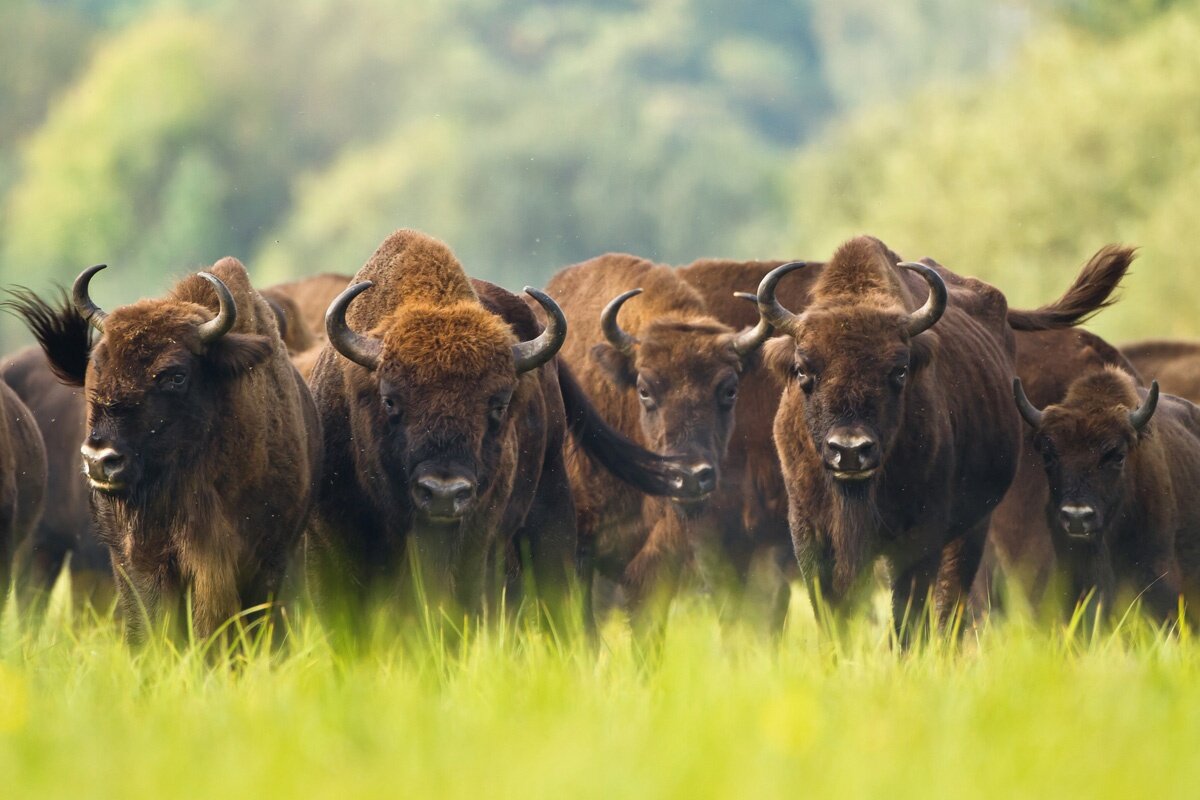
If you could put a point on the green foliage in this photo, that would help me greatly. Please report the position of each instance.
(1020, 179)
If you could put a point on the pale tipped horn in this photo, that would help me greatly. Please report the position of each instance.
(1029, 412)
(536, 352)
(748, 341)
(83, 300)
(362, 350)
(924, 317)
(622, 341)
(1141, 415)
(226, 316)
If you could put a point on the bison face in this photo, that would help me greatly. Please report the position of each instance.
(154, 385)
(1084, 444)
(445, 376)
(846, 374)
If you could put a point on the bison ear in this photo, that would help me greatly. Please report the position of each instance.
(778, 355)
(235, 353)
(616, 364)
(921, 351)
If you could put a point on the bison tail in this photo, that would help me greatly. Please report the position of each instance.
(625, 459)
(61, 331)
(1091, 292)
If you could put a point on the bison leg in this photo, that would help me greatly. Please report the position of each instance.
(956, 573)
(550, 529)
(911, 591)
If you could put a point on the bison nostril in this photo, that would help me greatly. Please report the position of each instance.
(103, 464)
(443, 497)
(1077, 518)
(705, 476)
(851, 452)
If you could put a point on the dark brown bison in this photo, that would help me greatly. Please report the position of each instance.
(22, 481)
(1175, 364)
(894, 428)
(445, 414)
(202, 442)
(671, 375)
(1121, 464)
(65, 529)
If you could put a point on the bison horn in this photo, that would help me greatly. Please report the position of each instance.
(748, 341)
(924, 317)
(83, 300)
(532, 354)
(362, 350)
(1141, 415)
(1029, 412)
(770, 310)
(622, 341)
(226, 316)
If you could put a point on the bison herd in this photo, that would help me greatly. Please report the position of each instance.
(414, 436)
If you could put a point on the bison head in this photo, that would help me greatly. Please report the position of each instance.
(1084, 443)
(848, 360)
(443, 377)
(685, 372)
(153, 381)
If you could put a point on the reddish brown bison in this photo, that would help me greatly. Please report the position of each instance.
(1121, 464)
(671, 375)
(893, 428)
(445, 415)
(1175, 364)
(22, 481)
(202, 442)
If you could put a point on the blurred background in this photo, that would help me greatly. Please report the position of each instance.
(1009, 139)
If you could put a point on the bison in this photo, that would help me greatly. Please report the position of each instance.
(202, 442)
(671, 375)
(1175, 364)
(22, 481)
(1121, 463)
(445, 414)
(894, 429)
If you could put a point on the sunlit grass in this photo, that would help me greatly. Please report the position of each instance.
(1015, 709)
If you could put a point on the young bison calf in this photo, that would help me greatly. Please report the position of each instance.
(1122, 509)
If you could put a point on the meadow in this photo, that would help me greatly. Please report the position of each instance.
(1015, 710)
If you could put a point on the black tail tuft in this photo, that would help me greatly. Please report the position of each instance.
(1091, 292)
(61, 331)
(625, 459)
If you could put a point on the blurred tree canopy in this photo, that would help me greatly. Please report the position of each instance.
(1020, 178)
(158, 135)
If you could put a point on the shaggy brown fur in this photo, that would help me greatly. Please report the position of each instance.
(1142, 486)
(1174, 364)
(65, 528)
(220, 465)
(22, 480)
(936, 403)
(309, 298)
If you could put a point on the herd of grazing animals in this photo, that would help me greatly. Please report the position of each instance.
(411, 435)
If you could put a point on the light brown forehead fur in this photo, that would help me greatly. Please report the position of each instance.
(861, 273)
(1097, 404)
(435, 343)
(686, 345)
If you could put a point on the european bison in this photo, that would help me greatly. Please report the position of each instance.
(445, 414)
(1122, 465)
(202, 442)
(300, 306)
(1175, 364)
(65, 529)
(22, 481)
(668, 374)
(893, 430)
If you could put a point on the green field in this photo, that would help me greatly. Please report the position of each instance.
(1015, 711)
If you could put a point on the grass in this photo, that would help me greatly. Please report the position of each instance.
(1015, 711)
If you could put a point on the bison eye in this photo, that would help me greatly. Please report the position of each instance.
(803, 376)
(899, 375)
(175, 381)
(645, 396)
(1113, 457)
(727, 394)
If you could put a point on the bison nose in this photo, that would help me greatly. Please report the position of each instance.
(443, 498)
(1077, 520)
(852, 454)
(103, 465)
(705, 476)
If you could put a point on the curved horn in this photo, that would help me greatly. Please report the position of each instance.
(532, 354)
(1029, 412)
(622, 341)
(226, 316)
(362, 350)
(924, 317)
(748, 341)
(83, 300)
(770, 309)
(1141, 415)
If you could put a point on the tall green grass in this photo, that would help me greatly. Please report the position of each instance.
(1014, 710)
